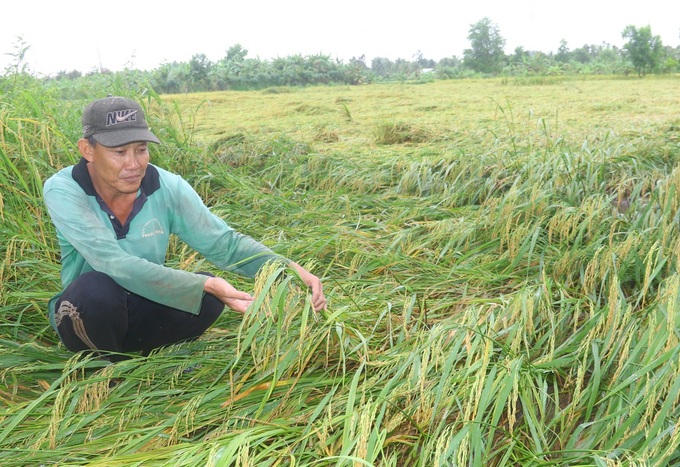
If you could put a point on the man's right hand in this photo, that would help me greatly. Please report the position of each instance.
(227, 294)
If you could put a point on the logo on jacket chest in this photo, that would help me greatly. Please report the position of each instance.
(151, 228)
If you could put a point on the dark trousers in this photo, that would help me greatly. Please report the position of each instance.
(95, 313)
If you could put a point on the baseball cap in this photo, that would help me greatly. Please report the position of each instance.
(116, 121)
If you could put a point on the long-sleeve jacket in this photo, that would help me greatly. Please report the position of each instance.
(91, 237)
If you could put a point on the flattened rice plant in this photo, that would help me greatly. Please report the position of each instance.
(509, 301)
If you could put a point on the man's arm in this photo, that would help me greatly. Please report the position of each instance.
(228, 249)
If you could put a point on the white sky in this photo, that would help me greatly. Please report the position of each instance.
(84, 35)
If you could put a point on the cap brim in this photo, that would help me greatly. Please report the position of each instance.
(118, 138)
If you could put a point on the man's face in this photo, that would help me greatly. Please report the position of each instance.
(117, 171)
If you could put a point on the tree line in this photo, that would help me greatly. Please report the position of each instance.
(642, 53)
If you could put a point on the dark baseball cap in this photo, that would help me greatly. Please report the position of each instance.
(116, 121)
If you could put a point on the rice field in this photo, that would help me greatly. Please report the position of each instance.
(500, 258)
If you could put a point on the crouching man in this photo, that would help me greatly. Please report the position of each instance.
(114, 213)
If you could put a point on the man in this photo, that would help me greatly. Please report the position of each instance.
(114, 213)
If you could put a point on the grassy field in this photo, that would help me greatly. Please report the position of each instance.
(500, 258)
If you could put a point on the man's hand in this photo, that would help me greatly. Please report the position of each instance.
(227, 294)
(314, 283)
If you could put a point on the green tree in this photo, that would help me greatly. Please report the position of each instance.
(236, 53)
(357, 71)
(485, 54)
(382, 66)
(520, 55)
(584, 54)
(199, 67)
(644, 50)
(562, 52)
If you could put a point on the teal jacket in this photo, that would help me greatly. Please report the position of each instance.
(92, 239)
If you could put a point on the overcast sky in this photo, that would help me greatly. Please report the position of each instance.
(85, 35)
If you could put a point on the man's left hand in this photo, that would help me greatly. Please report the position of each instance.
(314, 283)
